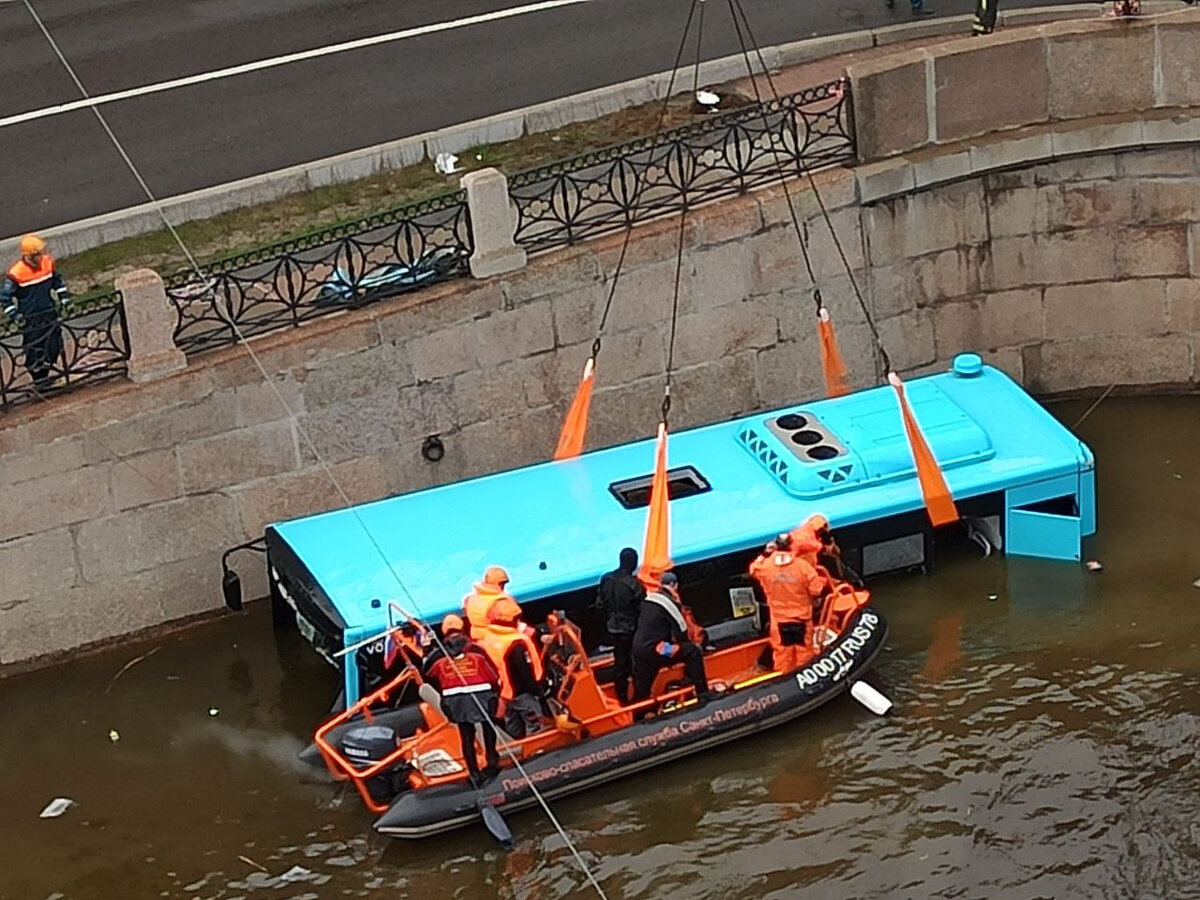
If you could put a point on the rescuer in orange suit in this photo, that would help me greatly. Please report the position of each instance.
(468, 682)
(515, 655)
(791, 584)
(486, 592)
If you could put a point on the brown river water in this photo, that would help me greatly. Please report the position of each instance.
(1045, 744)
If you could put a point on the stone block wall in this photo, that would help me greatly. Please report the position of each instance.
(1064, 71)
(119, 501)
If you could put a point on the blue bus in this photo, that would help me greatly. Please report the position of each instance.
(1015, 473)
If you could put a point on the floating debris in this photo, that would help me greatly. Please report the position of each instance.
(1196, 583)
(56, 808)
(248, 861)
(212, 711)
(129, 665)
(114, 735)
(1094, 565)
(993, 597)
(296, 873)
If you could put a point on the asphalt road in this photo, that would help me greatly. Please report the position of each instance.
(62, 167)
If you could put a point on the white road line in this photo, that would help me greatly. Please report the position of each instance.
(286, 59)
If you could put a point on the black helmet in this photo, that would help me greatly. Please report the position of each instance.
(669, 579)
(784, 541)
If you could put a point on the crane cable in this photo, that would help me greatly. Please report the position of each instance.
(736, 10)
(573, 431)
(304, 434)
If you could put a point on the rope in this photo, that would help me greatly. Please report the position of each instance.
(641, 187)
(666, 401)
(304, 434)
(736, 10)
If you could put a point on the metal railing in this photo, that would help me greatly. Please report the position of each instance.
(342, 267)
(45, 354)
(718, 156)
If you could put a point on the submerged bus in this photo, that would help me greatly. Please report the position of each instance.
(1016, 474)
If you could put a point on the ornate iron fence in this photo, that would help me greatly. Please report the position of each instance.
(48, 353)
(346, 266)
(718, 156)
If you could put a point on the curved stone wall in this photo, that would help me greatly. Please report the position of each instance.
(1070, 274)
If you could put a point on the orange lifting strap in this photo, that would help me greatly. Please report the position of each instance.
(934, 489)
(832, 363)
(570, 440)
(656, 558)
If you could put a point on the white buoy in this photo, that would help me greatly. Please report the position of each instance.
(870, 698)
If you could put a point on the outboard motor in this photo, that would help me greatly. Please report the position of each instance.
(365, 745)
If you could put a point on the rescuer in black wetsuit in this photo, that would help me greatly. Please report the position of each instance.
(661, 639)
(620, 596)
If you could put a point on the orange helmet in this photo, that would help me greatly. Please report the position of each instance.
(504, 611)
(31, 244)
(452, 623)
(496, 576)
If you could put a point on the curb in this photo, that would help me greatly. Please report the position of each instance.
(85, 234)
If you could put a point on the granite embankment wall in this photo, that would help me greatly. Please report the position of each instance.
(1070, 273)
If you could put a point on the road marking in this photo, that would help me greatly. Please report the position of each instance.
(286, 59)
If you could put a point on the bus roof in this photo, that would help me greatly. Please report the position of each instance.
(557, 526)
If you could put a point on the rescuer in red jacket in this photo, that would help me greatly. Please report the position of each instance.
(469, 685)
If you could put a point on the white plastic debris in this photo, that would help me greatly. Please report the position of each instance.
(114, 735)
(707, 98)
(296, 873)
(1196, 583)
(445, 163)
(212, 710)
(870, 698)
(1094, 565)
(56, 808)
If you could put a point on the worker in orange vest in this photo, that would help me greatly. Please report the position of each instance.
(508, 643)
(485, 593)
(792, 584)
(27, 295)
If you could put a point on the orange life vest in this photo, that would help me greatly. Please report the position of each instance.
(477, 604)
(25, 275)
(497, 641)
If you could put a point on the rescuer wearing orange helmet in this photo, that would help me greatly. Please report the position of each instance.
(516, 657)
(818, 545)
(792, 584)
(27, 295)
(468, 682)
(485, 593)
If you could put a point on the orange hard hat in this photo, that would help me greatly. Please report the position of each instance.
(504, 611)
(452, 623)
(495, 576)
(31, 244)
(817, 521)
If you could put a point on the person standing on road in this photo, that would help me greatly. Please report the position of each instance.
(918, 7)
(27, 295)
(985, 17)
(620, 597)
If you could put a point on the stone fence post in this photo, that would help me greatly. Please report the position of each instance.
(150, 320)
(493, 224)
